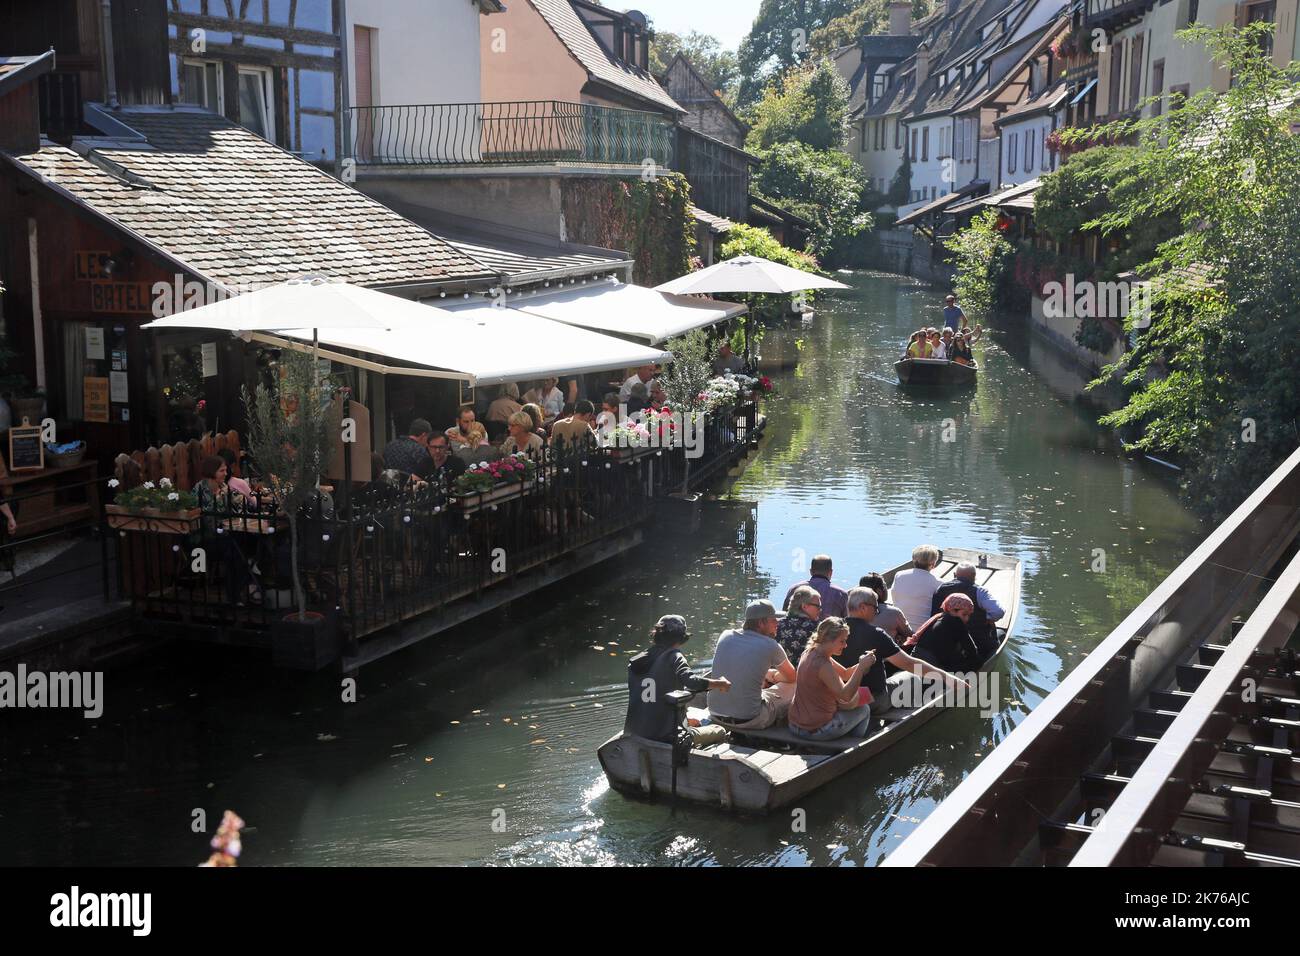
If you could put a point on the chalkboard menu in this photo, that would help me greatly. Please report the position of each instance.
(26, 450)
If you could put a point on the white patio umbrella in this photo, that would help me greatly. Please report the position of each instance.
(312, 302)
(748, 274)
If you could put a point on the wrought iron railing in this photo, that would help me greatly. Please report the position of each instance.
(380, 556)
(509, 133)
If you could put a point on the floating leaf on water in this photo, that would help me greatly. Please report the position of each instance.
(597, 647)
(539, 740)
(501, 786)
(455, 722)
(325, 737)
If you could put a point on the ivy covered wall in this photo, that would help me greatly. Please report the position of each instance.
(648, 219)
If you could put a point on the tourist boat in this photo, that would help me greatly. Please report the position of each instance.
(760, 771)
(935, 372)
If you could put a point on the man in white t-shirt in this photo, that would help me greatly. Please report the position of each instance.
(914, 588)
(645, 375)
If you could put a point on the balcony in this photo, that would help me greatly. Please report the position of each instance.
(1114, 14)
(532, 133)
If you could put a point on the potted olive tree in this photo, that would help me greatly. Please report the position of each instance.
(290, 428)
(684, 382)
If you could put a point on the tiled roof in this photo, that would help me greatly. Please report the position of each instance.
(18, 70)
(600, 65)
(717, 224)
(238, 209)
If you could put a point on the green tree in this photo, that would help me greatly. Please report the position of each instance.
(864, 19)
(825, 187)
(982, 256)
(289, 433)
(718, 67)
(745, 240)
(779, 39)
(1213, 377)
(811, 106)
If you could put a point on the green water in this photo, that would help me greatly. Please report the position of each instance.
(480, 747)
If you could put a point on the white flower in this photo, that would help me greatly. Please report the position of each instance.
(113, 482)
(173, 497)
(165, 483)
(149, 486)
(482, 464)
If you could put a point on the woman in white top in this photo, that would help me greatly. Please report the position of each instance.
(914, 588)
(548, 395)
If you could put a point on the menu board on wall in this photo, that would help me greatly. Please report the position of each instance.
(94, 342)
(95, 399)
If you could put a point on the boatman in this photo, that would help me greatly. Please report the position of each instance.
(655, 673)
(953, 316)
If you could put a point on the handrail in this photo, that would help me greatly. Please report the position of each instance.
(1033, 770)
(527, 132)
(1130, 831)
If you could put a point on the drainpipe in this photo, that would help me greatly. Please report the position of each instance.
(106, 48)
(343, 142)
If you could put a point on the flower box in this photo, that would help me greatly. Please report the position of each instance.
(151, 519)
(472, 502)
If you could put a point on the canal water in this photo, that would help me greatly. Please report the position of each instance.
(480, 748)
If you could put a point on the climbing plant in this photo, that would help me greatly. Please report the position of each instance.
(649, 218)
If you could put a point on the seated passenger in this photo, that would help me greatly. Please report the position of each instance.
(960, 350)
(522, 437)
(607, 420)
(462, 432)
(506, 403)
(945, 344)
(796, 627)
(539, 419)
(826, 702)
(750, 657)
(575, 430)
(936, 345)
(888, 618)
(865, 636)
(913, 588)
(657, 671)
(945, 641)
(986, 608)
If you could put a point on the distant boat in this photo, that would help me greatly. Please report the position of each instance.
(935, 372)
(758, 771)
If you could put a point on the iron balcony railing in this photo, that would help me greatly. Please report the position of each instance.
(509, 133)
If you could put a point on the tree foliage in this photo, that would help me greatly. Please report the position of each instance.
(982, 256)
(810, 106)
(779, 39)
(864, 19)
(289, 434)
(1213, 378)
(716, 66)
(825, 187)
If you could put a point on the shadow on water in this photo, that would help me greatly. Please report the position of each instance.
(479, 747)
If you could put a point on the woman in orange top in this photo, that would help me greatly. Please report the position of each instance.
(827, 703)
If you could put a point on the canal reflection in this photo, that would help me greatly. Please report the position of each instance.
(480, 748)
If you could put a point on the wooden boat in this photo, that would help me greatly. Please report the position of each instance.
(935, 372)
(759, 771)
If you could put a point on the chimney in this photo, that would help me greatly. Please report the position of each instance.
(900, 18)
(922, 64)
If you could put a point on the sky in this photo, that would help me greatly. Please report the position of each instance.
(728, 20)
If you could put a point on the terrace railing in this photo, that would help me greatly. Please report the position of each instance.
(535, 132)
(378, 556)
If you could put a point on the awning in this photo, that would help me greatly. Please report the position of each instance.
(1019, 196)
(939, 204)
(1078, 97)
(485, 345)
(630, 310)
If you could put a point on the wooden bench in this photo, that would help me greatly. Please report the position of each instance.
(179, 463)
